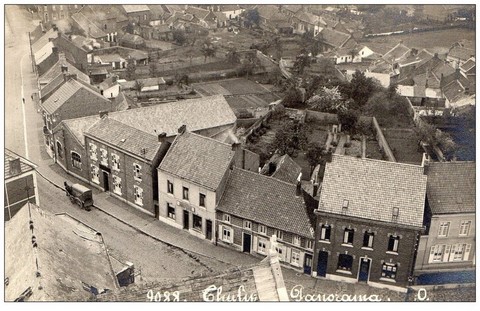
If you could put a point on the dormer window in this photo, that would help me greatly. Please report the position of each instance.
(345, 206)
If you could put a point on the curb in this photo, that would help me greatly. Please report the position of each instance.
(184, 250)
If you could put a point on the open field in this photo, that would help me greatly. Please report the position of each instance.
(237, 86)
(434, 40)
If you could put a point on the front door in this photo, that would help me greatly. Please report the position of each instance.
(307, 268)
(106, 184)
(209, 230)
(322, 263)
(186, 225)
(247, 242)
(364, 269)
(157, 211)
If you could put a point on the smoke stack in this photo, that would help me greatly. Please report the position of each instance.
(182, 129)
(161, 137)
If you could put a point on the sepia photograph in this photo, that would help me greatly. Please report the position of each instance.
(230, 152)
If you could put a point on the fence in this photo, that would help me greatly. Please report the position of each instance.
(382, 142)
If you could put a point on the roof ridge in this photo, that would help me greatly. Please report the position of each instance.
(209, 138)
(379, 161)
(263, 176)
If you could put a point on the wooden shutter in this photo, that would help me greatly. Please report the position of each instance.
(432, 253)
(452, 252)
(255, 243)
(466, 253)
(447, 253)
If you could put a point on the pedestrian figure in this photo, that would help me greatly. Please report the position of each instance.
(31, 96)
(23, 100)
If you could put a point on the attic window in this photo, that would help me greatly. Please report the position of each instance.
(395, 214)
(459, 200)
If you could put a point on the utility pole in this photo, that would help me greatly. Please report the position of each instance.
(31, 53)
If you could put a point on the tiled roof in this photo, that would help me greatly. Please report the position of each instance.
(265, 200)
(197, 12)
(125, 137)
(229, 7)
(88, 26)
(70, 258)
(373, 189)
(132, 8)
(451, 187)
(462, 53)
(78, 126)
(267, 11)
(310, 18)
(64, 93)
(197, 114)
(43, 40)
(43, 53)
(56, 70)
(133, 38)
(285, 169)
(107, 83)
(109, 58)
(396, 53)
(198, 159)
(333, 37)
(292, 7)
(469, 64)
(25, 165)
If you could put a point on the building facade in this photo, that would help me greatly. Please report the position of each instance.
(369, 218)
(448, 244)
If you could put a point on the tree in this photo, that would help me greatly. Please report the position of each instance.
(232, 56)
(249, 65)
(252, 17)
(328, 100)
(138, 86)
(290, 138)
(208, 49)
(292, 98)
(179, 36)
(429, 134)
(302, 61)
(130, 28)
(360, 88)
(348, 119)
(153, 69)
(131, 68)
(277, 47)
(314, 154)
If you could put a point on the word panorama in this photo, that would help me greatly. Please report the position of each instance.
(297, 294)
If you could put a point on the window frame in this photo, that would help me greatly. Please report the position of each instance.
(170, 214)
(104, 156)
(137, 172)
(396, 243)
(117, 183)
(443, 229)
(170, 187)
(195, 222)
(59, 149)
(74, 161)
(389, 274)
(138, 195)
(202, 198)
(229, 236)
(247, 224)
(262, 246)
(185, 190)
(95, 174)
(309, 244)
(295, 257)
(325, 233)
(344, 269)
(279, 234)
(262, 229)
(93, 151)
(115, 162)
(348, 236)
(227, 218)
(297, 240)
(371, 238)
(465, 227)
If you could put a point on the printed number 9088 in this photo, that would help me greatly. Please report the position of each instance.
(163, 297)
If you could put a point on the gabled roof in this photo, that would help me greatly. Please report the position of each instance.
(88, 26)
(25, 165)
(107, 83)
(267, 201)
(469, 64)
(451, 187)
(267, 11)
(43, 53)
(229, 7)
(373, 189)
(197, 114)
(70, 262)
(333, 37)
(201, 160)
(133, 8)
(310, 18)
(285, 169)
(294, 8)
(64, 93)
(396, 53)
(453, 91)
(133, 38)
(56, 71)
(43, 40)
(461, 53)
(78, 126)
(197, 12)
(125, 137)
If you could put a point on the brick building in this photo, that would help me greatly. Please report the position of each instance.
(73, 99)
(74, 53)
(123, 160)
(369, 218)
(138, 13)
(55, 12)
(448, 245)
(191, 180)
(255, 207)
(20, 183)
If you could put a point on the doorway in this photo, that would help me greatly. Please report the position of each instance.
(157, 211)
(106, 184)
(364, 270)
(322, 263)
(307, 267)
(247, 243)
(186, 224)
(209, 230)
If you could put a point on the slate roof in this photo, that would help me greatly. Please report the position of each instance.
(133, 38)
(267, 201)
(64, 93)
(310, 18)
(196, 114)
(462, 53)
(88, 26)
(451, 187)
(124, 137)
(132, 8)
(201, 160)
(396, 53)
(229, 7)
(286, 169)
(78, 126)
(56, 70)
(333, 37)
(25, 165)
(43, 40)
(373, 188)
(70, 256)
(469, 64)
(198, 12)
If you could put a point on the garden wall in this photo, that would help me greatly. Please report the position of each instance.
(382, 142)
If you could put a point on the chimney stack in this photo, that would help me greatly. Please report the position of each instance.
(298, 190)
(315, 189)
(182, 129)
(64, 68)
(103, 114)
(55, 50)
(235, 146)
(162, 137)
(15, 167)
